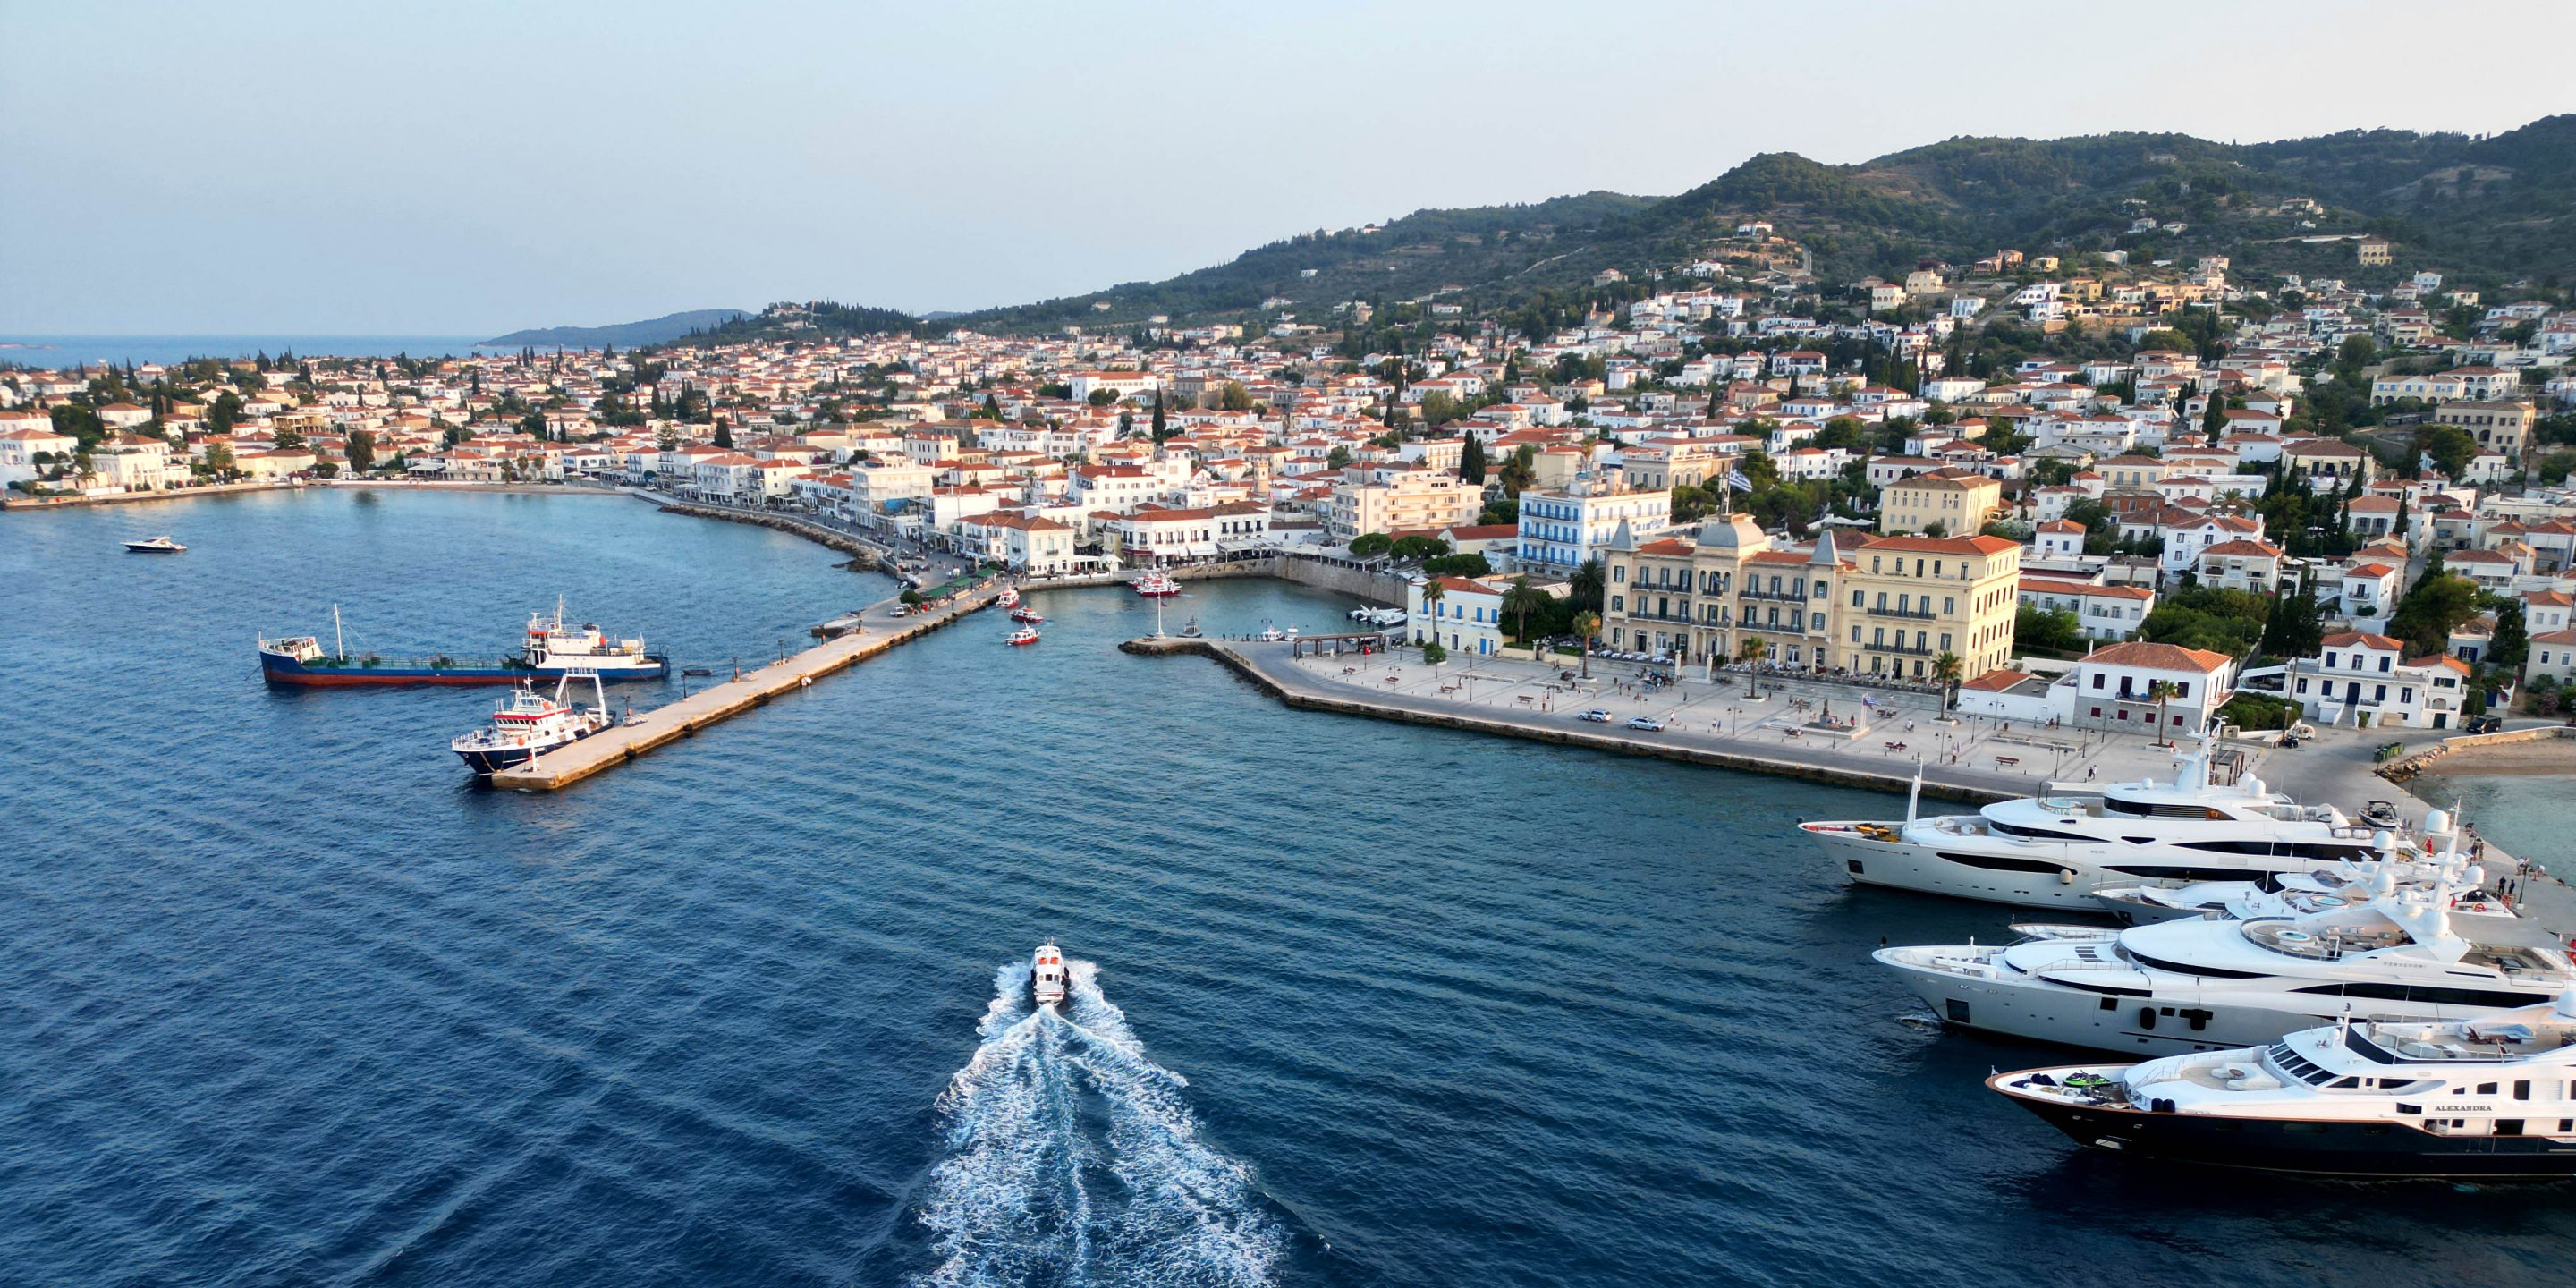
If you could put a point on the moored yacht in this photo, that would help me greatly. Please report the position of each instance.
(1156, 584)
(2180, 986)
(1046, 975)
(2491, 1097)
(2290, 894)
(2054, 850)
(528, 725)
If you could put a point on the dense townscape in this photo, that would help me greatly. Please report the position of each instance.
(2077, 488)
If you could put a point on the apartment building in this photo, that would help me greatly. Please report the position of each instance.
(1950, 502)
(1908, 600)
(1407, 501)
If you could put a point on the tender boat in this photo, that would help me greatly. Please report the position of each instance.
(161, 545)
(1156, 584)
(2493, 1097)
(1024, 635)
(1047, 975)
(2055, 850)
(527, 726)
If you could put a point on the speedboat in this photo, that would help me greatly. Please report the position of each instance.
(527, 726)
(1046, 975)
(161, 545)
(2056, 849)
(2490, 1097)
(2181, 986)
(1027, 614)
(1024, 635)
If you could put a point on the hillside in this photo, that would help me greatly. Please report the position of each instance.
(2490, 209)
(659, 330)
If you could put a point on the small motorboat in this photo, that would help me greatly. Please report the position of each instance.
(1009, 598)
(160, 545)
(1026, 614)
(1046, 975)
(1191, 630)
(697, 670)
(1024, 635)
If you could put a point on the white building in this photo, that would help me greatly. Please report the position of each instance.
(1561, 531)
(1466, 617)
(2357, 675)
(2114, 688)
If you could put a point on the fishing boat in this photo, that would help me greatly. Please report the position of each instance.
(1027, 614)
(551, 648)
(1046, 975)
(1156, 584)
(527, 725)
(1024, 635)
(160, 545)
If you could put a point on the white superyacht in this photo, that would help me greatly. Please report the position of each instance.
(2054, 850)
(2180, 986)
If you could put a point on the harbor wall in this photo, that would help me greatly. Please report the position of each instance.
(1364, 583)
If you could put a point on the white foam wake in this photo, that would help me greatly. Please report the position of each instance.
(1074, 1159)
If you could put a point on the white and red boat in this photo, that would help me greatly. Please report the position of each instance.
(1046, 975)
(1156, 584)
(1026, 614)
(1024, 635)
(528, 725)
(1009, 598)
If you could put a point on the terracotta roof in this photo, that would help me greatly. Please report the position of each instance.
(2346, 639)
(2160, 657)
(1941, 545)
(1994, 681)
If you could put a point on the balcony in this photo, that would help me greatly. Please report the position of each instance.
(1909, 650)
(1910, 614)
(1683, 619)
(1784, 596)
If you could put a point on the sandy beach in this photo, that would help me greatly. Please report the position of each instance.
(2551, 755)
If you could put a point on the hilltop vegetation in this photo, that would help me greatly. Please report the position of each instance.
(670, 326)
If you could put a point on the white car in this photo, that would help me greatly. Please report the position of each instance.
(1596, 716)
(1646, 724)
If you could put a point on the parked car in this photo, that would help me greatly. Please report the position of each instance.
(2485, 724)
(1596, 716)
(1646, 724)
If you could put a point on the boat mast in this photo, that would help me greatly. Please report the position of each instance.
(338, 642)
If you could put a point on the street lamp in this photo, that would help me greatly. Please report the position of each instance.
(1738, 714)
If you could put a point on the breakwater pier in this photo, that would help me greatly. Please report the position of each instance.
(879, 629)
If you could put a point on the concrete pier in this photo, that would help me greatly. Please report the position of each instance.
(880, 630)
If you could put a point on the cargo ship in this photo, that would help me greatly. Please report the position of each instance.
(551, 649)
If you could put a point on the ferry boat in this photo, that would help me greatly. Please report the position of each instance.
(550, 649)
(526, 726)
(1009, 598)
(160, 545)
(1156, 584)
(2489, 1098)
(1027, 614)
(2055, 850)
(1024, 635)
(1047, 975)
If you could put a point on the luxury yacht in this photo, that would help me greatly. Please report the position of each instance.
(1046, 975)
(2291, 894)
(2056, 849)
(2182, 986)
(2492, 1097)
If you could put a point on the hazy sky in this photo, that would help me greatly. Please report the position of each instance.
(472, 168)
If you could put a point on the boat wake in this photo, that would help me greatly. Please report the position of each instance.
(1073, 1159)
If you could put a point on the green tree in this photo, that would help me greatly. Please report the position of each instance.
(1471, 460)
(1103, 397)
(1432, 593)
(2429, 613)
(1520, 599)
(2512, 642)
(361, 451)
(1234, 397)
(1158, 430)
(1585, 587)
(2449, 447)
(2050, 630)
(1338, 458)
(1369, 545)
(1587, 628)
(724, 435)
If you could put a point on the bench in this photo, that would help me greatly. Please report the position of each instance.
(2007, 762)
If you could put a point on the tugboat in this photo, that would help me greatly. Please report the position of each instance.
(1024, 635)
(2486, 1098)
(160, 545)
(549, 649)
(528, 726)
(1156, 584)
(1046, 975)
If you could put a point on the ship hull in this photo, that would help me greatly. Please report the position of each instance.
(2317, 1148)
(287, 671)
(486, 761)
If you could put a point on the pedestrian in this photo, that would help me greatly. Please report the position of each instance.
(2088, 773)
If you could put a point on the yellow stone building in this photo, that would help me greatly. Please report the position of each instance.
(1952, 502)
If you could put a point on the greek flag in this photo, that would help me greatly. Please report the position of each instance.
(1736, 481)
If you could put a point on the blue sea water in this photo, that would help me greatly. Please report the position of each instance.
(285, 999)
(58, 351)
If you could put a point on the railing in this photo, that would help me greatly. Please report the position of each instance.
(1784, 596)
(1911, 614)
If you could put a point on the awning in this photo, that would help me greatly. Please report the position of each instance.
(1197, 550)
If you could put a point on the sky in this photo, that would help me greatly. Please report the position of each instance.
(472, 168)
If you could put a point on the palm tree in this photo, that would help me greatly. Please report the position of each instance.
(1753, 648)
(1587, 625)
(2159, 692)
(1520, 600)
(1946, 669)
(1432, 594)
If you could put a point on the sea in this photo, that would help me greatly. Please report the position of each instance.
(287, 998)
(60, 351)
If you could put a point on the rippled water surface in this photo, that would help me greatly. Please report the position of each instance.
(285, 999)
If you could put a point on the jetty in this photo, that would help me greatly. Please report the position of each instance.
(878, 628)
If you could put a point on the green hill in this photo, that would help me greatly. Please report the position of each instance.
(668, 327)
